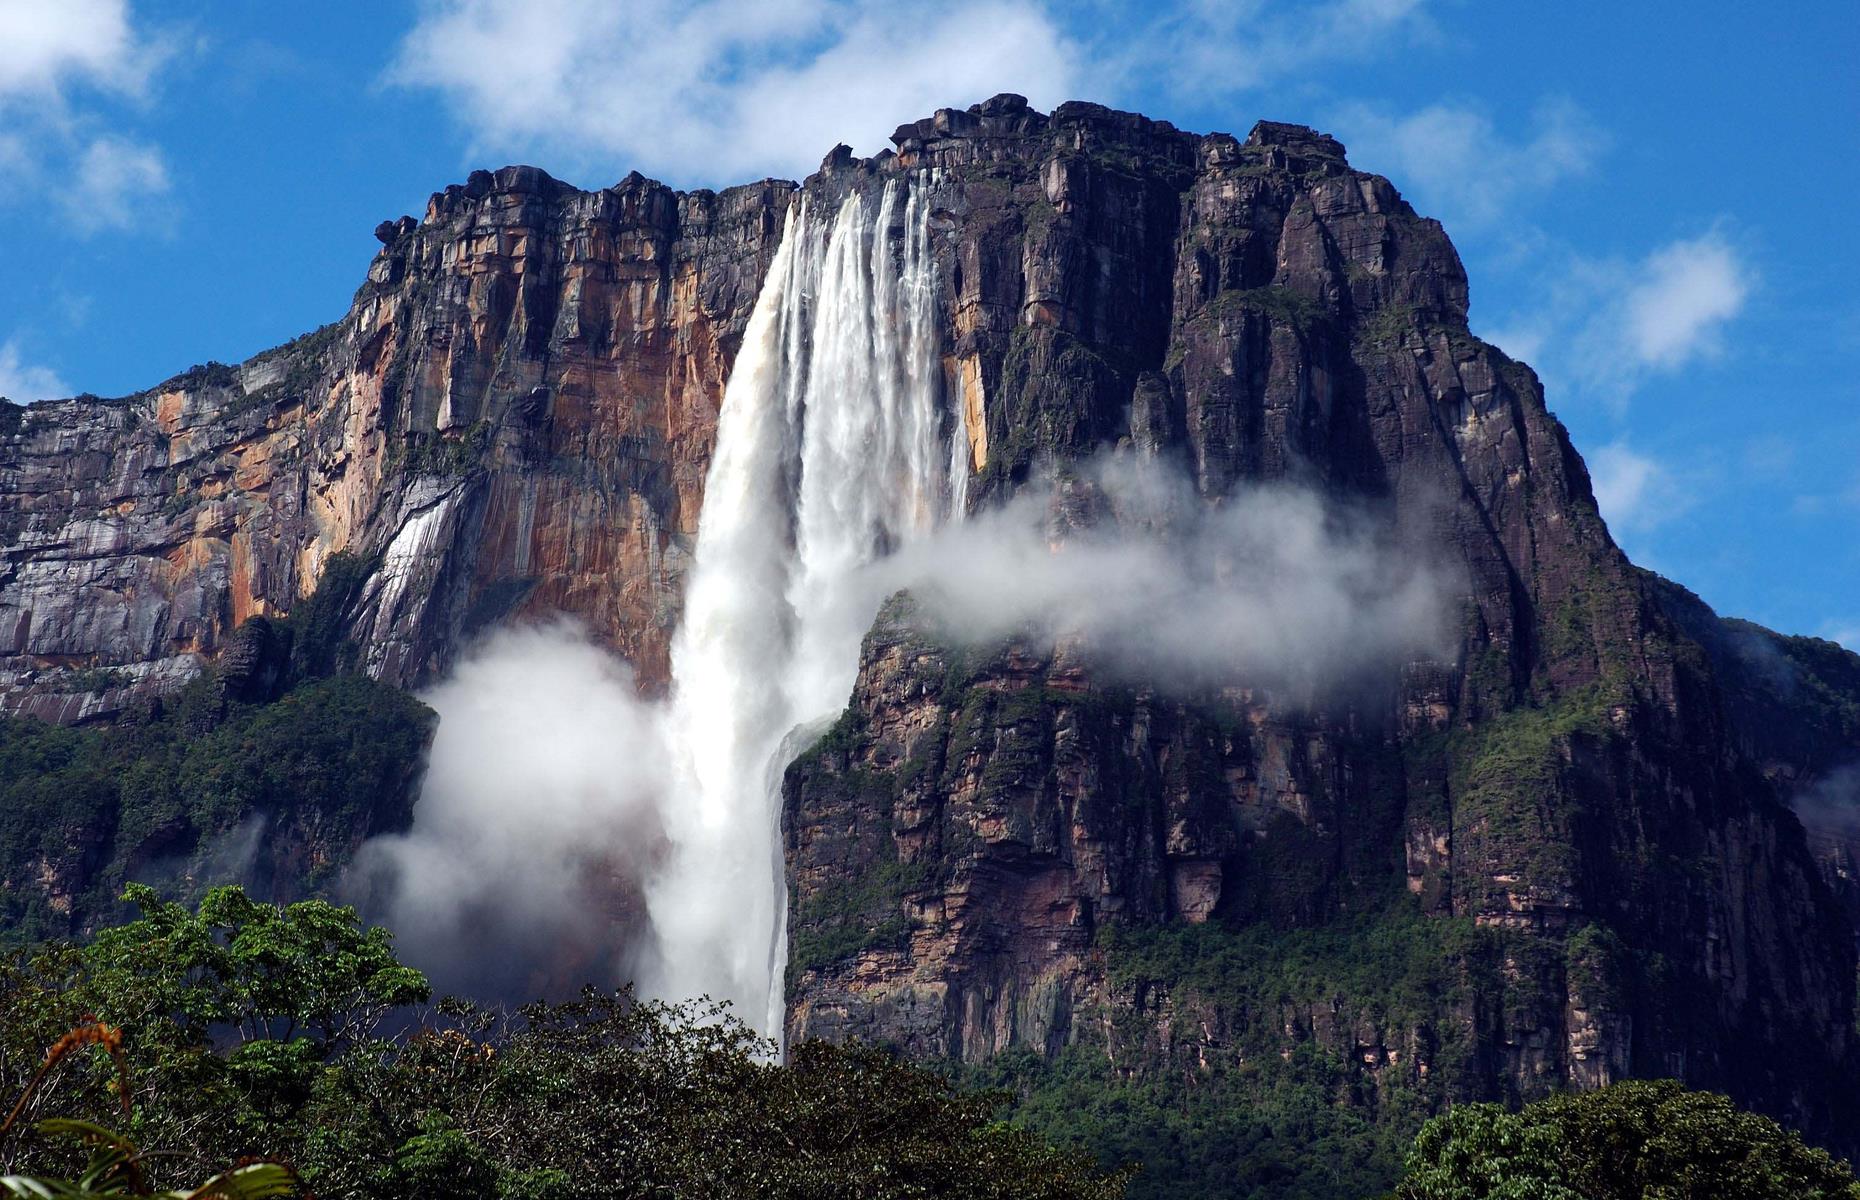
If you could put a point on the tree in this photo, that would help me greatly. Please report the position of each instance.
(1637, 1140)
(308, 970)
(292, 1034)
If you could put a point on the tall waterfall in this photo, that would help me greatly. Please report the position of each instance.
(829, 455)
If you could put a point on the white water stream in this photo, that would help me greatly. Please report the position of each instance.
(828, 457)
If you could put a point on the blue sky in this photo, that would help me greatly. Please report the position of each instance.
(1652, 199)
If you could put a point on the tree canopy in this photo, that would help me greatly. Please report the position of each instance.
(293, 1034)
(1636, 1140)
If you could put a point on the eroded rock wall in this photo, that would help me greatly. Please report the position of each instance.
(514, 417)
(1565, 785)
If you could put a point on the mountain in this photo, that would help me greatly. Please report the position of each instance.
(1218, 927)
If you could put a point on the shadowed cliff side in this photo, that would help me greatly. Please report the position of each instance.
(1573, 868)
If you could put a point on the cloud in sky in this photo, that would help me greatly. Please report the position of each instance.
(1669, 310)
(1458, 166)
(23, 382)
(47, 46)
(1211, 50)
(1684, 295)
(719, 91)
(1635, 491)
(118, 183)
(1606, 326)
(69, 70)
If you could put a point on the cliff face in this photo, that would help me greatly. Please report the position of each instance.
(514, 417)
(1567, 836)
(980, 849)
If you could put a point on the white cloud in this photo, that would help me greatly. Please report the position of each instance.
(24, 382)
(47, 45)
(1627, 322)
(1458, 166)
(1685, 294)
(118, 184)
(1633, 490)
(1276, 587)
(71, 72)
(718, 91)
(1604, 327)
(1846, 635)
(536, 822)
(1210, 50)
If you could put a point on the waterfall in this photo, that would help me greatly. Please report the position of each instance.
(827, 458)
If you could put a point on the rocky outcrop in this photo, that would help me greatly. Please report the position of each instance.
(515, 416)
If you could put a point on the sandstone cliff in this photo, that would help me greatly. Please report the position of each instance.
(514, 416)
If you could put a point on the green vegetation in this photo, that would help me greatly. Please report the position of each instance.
(443, 454)
(83, 811)
(209, 374)
(315, 627)
(1282, 304)
(1506, 780)
(848, 916)
(332, 759)
(1825, 682)
(251, 1030)
(95, 680)
(1223, 1108)
(1632, 1141)
(1268, 1129)
(1387, 326)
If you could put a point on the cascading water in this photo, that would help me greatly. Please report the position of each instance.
(827, 458)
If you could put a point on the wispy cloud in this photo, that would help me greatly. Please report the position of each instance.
(718, 91)
(1606, 326)
(1456, 164)
(72, 73)
(23, 382)
(48, 46)
(1636, 492)
(1682, 297)
(1205, 51)
(119, 183)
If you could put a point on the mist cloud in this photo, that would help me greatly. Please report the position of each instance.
(553, 807)
(1831, 804)
(1274, 587)
(536, 823)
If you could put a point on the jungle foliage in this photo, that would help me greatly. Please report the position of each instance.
(292, 1035)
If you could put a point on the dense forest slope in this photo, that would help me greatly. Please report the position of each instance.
(1214, 923)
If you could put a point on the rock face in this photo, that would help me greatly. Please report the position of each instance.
(974, 845)
(515, 416)
(1577, 820)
